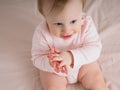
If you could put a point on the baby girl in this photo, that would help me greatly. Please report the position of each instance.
(66, 46)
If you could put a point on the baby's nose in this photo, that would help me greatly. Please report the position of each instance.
(67, 30)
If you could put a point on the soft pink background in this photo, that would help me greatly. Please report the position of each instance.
(18, 19)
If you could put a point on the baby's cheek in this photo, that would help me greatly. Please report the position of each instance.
(57, 33)
(78, 29)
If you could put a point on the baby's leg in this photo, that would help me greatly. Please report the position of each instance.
(91, 78)
(51, 81)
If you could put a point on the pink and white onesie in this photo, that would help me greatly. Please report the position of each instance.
(85, 47)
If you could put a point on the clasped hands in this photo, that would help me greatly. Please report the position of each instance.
(60, 61)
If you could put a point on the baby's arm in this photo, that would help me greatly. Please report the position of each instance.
(40, 53)
(91, 46)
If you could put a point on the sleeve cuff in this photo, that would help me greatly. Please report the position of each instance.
(78, 58)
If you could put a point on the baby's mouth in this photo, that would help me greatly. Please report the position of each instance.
(67, 36)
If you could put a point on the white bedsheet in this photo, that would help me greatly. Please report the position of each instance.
(17, 23)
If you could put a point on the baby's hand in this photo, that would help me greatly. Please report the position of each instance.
(56, 63)
(65, 59)
(60, 61)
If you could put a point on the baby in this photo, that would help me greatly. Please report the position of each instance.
(66, 46)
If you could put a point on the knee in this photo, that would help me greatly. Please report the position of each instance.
(92, 80)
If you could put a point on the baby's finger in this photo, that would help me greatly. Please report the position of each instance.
(52, 64)
(56, 67)
(52, 50)
(62, 64)
(57, 59)
(57, 51)
(52, 56)
(64, 70)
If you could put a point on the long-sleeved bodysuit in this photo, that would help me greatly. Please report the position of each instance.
(85, 47)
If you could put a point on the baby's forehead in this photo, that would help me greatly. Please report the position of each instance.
(64, 17)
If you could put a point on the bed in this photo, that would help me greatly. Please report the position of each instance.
(18, 19)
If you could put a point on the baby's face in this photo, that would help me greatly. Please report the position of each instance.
(66, 23)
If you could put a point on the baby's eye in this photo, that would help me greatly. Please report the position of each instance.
(72, 22)
(58, 24)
